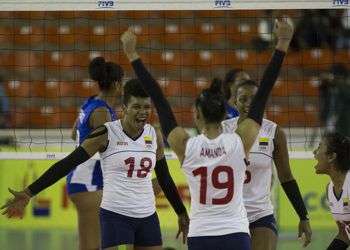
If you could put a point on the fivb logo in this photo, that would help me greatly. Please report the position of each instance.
(222, 4)
(105, 4)
(340, 2)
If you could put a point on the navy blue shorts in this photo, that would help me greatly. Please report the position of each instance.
(96, 181)
(117, 229)
(235, 241)
(267, 221)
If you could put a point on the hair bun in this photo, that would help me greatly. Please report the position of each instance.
(97, 69)
(215, 86)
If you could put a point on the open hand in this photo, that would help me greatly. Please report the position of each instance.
(15, 207)
(129, 40)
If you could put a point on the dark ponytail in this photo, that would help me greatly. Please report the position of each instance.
(339, 144)
(212, 102)
(105, 73)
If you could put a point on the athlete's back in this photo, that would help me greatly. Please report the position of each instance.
(215, 170)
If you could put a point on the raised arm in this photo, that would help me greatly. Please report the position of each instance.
(176, 136)
(97, 141)
(249, 128)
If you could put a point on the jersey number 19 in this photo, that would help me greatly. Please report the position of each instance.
(215, 180)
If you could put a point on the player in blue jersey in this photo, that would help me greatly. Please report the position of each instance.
(84, 183)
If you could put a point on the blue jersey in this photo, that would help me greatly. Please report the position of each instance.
(231, 112)
(86, 110)
(87, 177)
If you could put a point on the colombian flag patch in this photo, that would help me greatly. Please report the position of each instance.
(148, 139)
(346, 201)
(263, 141)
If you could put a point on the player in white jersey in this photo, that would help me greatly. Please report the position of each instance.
(270, 147)
(130, 149)
(85, 182)
(333, 159)
(214, 162)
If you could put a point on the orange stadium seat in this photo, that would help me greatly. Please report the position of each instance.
(6, 58)
(224, 57)
(28, 58)
(342, 56)
(146, 33)
(210, 13)
(293, 116)
(29, 34)
(211, 33)
(56, 89)
(143, 14)
(240, 33)
(67, 59)
(67, 117)
(179, 34)
(18, 88)
(184, 116)
(103, 14)
(6, 34)
(105, 34)
(172, 14)
(317, 59)
(86, 88)
(177, 88)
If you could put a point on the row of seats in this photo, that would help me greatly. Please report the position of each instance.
(54, 117)
(316, 58)
(102, 34)
(40, 15)
(171, 88)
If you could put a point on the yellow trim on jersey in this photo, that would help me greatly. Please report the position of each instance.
(263, 139)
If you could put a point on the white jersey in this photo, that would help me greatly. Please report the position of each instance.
(215, 171)
(340, 206)
(257, 187)
(126, 166)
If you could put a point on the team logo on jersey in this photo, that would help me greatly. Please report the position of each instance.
(148, 140)
(345, 201)
(263, 143)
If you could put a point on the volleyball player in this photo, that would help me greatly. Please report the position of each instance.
(333, 159)
(214, 162)
(84, 183)
(129, 148)
(232, 79)
(270, 147)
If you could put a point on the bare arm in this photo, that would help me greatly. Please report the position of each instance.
(281, 156)
(99, 117)
(289, 184)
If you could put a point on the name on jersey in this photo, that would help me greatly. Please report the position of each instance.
(212, 152)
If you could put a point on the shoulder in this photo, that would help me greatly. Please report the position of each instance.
(229, 125)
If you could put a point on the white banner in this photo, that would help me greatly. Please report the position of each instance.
(50, 5)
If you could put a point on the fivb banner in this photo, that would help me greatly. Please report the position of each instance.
(52, 207)
(110, 5)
